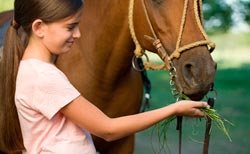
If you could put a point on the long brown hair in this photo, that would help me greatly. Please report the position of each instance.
(25, 12)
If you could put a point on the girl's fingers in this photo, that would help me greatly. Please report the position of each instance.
(202, 105)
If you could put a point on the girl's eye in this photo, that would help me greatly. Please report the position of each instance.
(70, 28)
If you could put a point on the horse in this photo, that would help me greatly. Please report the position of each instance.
(115, 34)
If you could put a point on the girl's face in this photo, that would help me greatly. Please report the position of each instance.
(59, 36)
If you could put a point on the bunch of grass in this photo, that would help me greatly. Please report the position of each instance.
(209, 113)
(160, 130)
(217, 119)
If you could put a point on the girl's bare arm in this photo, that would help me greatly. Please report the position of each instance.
(86, 115)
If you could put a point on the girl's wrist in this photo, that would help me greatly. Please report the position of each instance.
(173, 108)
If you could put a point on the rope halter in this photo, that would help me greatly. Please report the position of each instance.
(139, 52)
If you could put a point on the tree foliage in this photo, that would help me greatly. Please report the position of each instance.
(245, 11)
(217, 15)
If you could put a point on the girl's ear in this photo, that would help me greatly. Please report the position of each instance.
(38, 28)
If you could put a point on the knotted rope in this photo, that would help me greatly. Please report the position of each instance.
(139, 52)
(138, 49)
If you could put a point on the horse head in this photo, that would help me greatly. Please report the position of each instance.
(174, 30)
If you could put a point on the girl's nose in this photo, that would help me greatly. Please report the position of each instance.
(77, 33)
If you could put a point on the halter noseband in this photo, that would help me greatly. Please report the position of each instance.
(157, 42)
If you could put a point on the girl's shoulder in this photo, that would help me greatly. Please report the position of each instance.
(36, 64)
(40, 71)
(40, 68)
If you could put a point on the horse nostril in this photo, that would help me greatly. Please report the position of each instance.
(188, 72)
(188, 67)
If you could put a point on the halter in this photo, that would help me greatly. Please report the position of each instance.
(139, 52)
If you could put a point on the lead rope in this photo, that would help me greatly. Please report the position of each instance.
(211, 102)
(137, 58)
(138, 49)
(178, 97)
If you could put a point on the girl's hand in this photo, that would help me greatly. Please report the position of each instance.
(190, 108)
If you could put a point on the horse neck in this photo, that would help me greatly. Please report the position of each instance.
(105, 33)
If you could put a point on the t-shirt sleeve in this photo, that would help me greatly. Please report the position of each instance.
(53, 92)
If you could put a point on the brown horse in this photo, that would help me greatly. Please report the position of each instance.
(100, 67)
(100, 62)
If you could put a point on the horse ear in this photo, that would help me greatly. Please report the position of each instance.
(38, 28)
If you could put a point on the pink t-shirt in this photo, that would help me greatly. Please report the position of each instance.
(41, 91)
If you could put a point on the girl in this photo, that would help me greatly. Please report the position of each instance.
(40, 109)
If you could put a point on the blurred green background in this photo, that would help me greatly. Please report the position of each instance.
(6, 5)
(227, 23)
